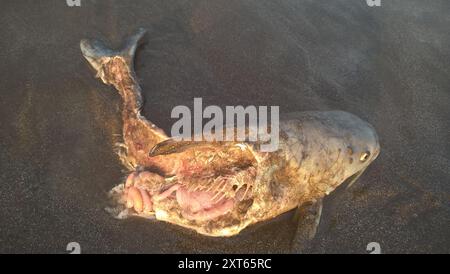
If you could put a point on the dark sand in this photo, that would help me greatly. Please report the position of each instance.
(389, 65)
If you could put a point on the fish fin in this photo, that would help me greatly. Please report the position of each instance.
(97, 53)
(172, 146)
(307, 217)
(131, 44)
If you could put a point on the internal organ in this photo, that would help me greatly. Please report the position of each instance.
(200, 205)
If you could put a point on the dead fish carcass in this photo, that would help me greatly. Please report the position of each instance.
(220, 188)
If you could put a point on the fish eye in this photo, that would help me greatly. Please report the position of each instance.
(364, 156)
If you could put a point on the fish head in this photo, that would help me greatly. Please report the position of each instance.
(341, 145)
(363, 147)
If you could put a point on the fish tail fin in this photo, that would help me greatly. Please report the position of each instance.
(98, 54)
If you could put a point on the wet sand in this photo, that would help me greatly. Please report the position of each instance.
(390, 65)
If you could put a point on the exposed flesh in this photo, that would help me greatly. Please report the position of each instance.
(198, 199)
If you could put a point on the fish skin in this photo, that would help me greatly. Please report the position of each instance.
(318, 151)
